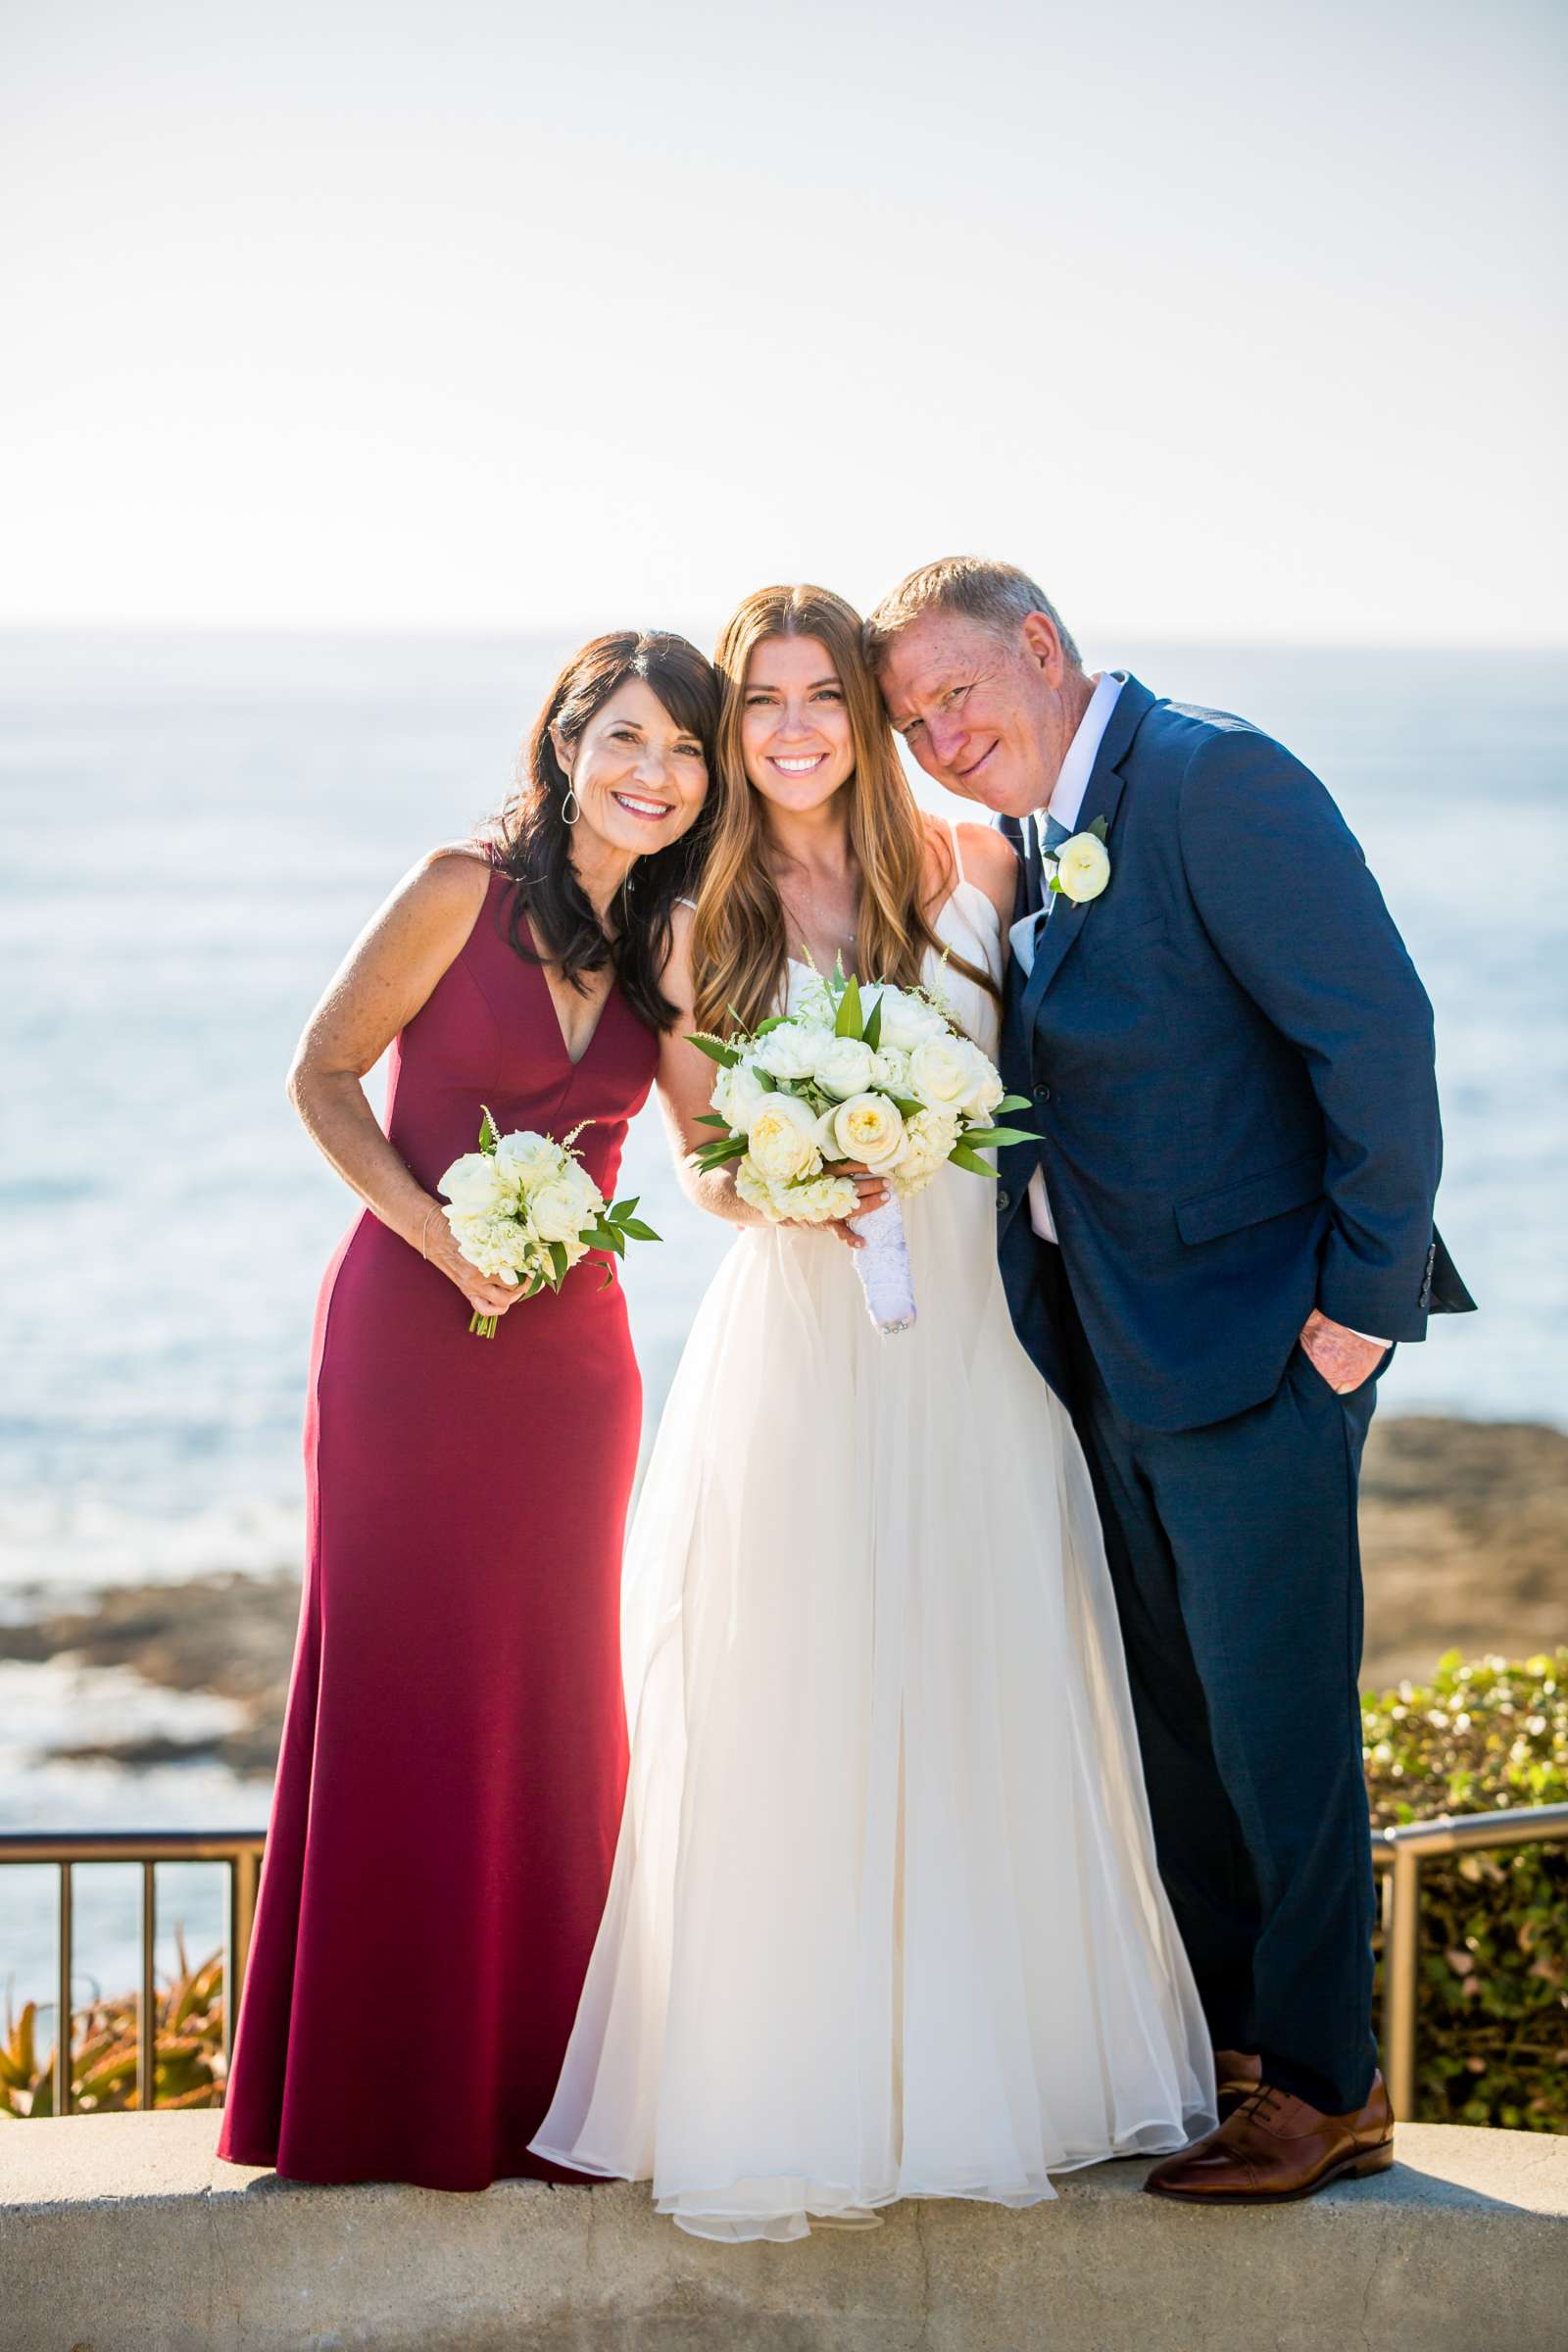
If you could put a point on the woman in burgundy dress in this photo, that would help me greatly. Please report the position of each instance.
(454, 1760)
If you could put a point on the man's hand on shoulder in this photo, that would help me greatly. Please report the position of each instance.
(1344, 1357)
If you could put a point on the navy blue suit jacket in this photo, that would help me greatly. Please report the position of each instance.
(1230, 1060)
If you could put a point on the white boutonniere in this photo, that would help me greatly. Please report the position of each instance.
(1083, 865)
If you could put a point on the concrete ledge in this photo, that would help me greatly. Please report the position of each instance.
(123, 2234)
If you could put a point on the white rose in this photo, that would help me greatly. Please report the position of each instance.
(985, 1089)
(1083, 867)
(906, 1019)
(870, 1129)
(556, 1210)
(758, 1193)
(940, 1073)
(738, 1095)
(890, 1070)
(842, 1068)
(782, 1141)
(475, 1185)
(528, 1158)
(790, 1051)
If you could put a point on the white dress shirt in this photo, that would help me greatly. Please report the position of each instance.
(1066, 802)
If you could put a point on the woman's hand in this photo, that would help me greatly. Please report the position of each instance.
(485, 1295)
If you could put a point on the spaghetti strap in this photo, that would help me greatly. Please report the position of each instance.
(958, 854)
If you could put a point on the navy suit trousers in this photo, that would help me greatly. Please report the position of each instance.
(1235, 1559)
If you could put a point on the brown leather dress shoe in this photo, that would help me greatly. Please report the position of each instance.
(1237, 2075)
(1276, 2148)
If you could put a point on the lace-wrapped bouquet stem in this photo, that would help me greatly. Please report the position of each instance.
(877, 1077)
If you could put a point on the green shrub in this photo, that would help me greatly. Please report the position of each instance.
(188, 2051)
(1493, 2033)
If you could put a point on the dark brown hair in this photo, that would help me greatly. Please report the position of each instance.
(531, 840)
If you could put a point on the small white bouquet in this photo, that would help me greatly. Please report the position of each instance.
(880, 1076)
(524, 1211)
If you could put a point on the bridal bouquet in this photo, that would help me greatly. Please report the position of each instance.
(878, 1075)
(524, 1211)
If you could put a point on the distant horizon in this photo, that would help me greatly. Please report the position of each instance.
(579, 631)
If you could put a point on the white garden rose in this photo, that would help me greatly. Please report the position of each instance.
(557, 1210)
(870, 1129)
(790, 1051)
(843, 1068)
(474, 1185)
(906, 1019)
(1083, 867)
(782, 1141)
(939, 1072)
(738, 1095)
(528, 1158)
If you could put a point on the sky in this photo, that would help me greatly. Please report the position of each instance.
(1224, 321)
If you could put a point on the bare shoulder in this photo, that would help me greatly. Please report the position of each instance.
(436, 904)
(989, 857)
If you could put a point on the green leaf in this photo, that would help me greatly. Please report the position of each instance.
(990, 1139)
(962, 1157)
(873, 1026)
(489, 1132)
(851, 1020)
(1013, 1102)
(710, 1118)
(609, 1282)
(774, 1021)
(908, 1104)
(639, 1232)
(766, 1080)
(1100, 829)
(719, 1155)
(557, 1259)
(713, 1046)
(623, 1208)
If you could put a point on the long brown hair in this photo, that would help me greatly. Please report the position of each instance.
(739, 947)
(531, 841)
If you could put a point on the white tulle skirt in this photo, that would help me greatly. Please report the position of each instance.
(885, 1920)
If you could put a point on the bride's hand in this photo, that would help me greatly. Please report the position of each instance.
(485, 1297)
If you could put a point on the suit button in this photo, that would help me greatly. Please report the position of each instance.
(1042, 1094)
(1003, 1201)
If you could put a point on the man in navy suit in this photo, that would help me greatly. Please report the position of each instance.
(1224, 1229)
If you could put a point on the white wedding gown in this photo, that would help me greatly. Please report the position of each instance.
(885, 1920)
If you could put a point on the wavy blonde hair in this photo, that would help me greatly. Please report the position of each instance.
(739, 947)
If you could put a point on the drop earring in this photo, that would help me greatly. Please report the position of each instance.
(571, 806)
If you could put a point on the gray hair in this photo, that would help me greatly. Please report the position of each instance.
(998, 596)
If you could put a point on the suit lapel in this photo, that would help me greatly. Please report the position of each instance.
(1102, 796)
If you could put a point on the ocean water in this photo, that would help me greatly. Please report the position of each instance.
(192, 829)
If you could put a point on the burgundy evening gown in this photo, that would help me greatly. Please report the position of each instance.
(454, 1760)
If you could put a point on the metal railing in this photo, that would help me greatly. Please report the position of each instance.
(1398, 1855)
(239, 1849)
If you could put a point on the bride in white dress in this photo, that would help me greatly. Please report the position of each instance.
(885, 1920)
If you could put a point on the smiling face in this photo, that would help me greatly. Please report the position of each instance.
(639, 778)
(989, 718)
(796, 742)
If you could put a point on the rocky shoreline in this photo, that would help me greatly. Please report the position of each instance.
(1464, 1529)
